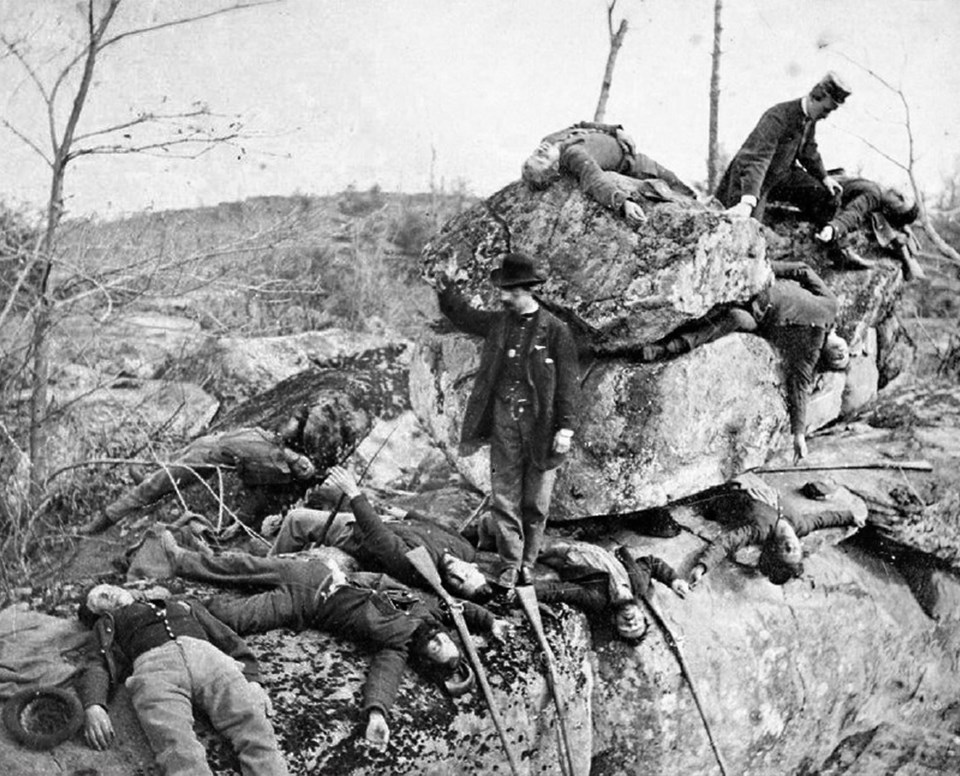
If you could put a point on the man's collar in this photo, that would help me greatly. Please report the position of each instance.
(803, 105)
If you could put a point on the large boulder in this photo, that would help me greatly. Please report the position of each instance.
(650, 432)
(238, 368)
(617, 285)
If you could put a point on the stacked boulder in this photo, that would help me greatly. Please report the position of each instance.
(650, 433)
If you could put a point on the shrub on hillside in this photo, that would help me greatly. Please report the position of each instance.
(17, 242)
(360, 203)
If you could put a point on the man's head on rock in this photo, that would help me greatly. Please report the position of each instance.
(781, 558)
(898, 209)
(435, 645)
(542, 167)
(464, 579)
(835, 354)
(630, 621)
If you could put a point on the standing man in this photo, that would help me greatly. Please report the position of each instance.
(524, 403)
(779, 159)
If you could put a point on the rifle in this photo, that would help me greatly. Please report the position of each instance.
(423, 563)
(335, 511)
(919, 466)
(528, 600)
(681, 661)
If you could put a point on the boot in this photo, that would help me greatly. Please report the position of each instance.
(96, 525)
(911, 267)
(847, 258)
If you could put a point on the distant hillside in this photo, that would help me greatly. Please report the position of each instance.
(267, 265)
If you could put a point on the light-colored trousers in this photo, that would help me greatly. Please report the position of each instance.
(168, 680)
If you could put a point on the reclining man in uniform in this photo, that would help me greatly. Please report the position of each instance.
(598, 581)
(756, 514)
(591, 578)
(588, 152)
(796, 314)
(260, 458)
(886, 211)
(175, 653)
(368, 608)
(381, 546)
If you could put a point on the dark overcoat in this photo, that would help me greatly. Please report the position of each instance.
(768, 154)
(552, 375)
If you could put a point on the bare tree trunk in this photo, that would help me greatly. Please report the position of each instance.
(96, 28)
(713, 152)
(616, 40)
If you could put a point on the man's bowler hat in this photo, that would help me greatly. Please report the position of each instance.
(516, 270)
(834, 86)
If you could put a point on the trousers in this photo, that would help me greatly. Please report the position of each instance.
(167, 681)
(520, 491)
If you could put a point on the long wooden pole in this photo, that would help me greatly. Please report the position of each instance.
(423, 563)
(528, 600)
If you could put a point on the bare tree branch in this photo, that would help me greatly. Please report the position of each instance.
(27, 141)
(945, 248)
(197, 138)
(616, 41)
(11, 47)
(185, 20)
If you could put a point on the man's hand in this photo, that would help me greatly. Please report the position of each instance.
(340, 478)
(627, 141)
(696, 573)
(633, 213)
(833, 186)
(680, 587)
(860, 512)
(501, 629)
(262, 697)
(378, 731)
(562, 440)
(97, 727)
(825, 235)
(740, 210)
(799, 447)
(448, 273)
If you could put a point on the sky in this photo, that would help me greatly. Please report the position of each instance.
(401, 92)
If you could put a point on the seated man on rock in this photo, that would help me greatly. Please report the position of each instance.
(756, 514)
(176, 654)
(259, 457)
(887, 213)
(381, 546)
(598, 581)
(588, 152)
(368, 608)
(796, 314)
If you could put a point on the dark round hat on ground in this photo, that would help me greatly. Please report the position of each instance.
(42, 717)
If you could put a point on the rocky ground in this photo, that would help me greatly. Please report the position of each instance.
(851, 670)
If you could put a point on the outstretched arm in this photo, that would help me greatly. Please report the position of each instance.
(725, 544)
(459, 311)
